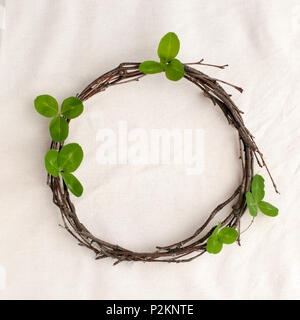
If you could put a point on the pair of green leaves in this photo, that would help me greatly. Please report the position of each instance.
(254, 198)
(47, 106)
(225, 236)
(168, 49)
(67, 160)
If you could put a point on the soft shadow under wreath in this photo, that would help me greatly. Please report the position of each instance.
(62, 160)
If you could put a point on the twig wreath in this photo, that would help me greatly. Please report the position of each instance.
(62, 160)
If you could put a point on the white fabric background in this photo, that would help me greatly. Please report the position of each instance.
(58, 47)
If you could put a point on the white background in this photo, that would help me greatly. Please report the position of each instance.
(58, 47)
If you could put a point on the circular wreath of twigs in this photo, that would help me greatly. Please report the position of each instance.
(195, 245)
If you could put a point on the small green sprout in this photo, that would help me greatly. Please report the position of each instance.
(255, 197)
(215, 242)
(168, 49)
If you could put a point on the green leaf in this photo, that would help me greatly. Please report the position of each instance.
(70, 157)
(151, 67)
(72, 183)
(51, 162)
(267, 209)
(257, 187)
(46, 105)
(174, 70)
(59, 129)
(168, 47)
(251, 204)
(72, 107)
(228, 235)
(214, 245)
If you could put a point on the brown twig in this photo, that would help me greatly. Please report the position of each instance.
(206, 64)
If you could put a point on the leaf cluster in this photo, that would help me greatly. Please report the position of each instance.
(255, 197)
(168, 49)
(47, 106)
(215, 242)
(69, 158)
